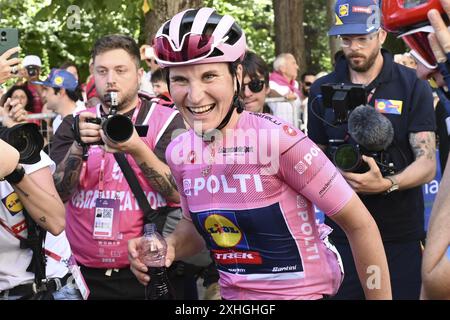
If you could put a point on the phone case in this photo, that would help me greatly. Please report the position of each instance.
(9, 38)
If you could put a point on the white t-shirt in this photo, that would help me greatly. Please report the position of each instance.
(146, 84)
(58, 119)
(13, 260)
(289, 111)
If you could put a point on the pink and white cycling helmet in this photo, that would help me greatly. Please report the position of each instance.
(197, 36)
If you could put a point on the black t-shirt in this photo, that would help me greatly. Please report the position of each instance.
(442, 134)
(64, 136)
(400, 214)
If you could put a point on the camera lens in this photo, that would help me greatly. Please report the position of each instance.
(3, 33)
(118, 128)
(27, 140)
(347, 157)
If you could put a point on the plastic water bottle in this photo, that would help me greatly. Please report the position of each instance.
(153, 255)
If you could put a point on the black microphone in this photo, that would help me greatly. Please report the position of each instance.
(370, 129)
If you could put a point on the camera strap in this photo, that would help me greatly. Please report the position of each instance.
(35, 242)
(150, 215)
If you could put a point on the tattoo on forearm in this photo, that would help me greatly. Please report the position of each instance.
(423, 144)
(43, 219)
(164, 185)
(67, 176)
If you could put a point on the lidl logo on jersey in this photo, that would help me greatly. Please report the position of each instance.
(223, 231)
(389, 106)
(12, 203)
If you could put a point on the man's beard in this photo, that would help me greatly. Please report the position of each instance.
(123, 101)
(365, 66)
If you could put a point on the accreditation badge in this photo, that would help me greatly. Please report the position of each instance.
(107, 219)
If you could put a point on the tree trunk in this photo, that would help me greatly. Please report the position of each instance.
(334, 44)
(289, 33)
(162, 11)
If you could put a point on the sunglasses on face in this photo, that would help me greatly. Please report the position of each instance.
(255, 85)
(308, 84)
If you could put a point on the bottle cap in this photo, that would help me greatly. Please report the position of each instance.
(150, 228)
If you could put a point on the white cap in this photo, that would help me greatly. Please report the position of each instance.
(31, 61)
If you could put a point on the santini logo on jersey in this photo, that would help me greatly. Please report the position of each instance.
(238, 183)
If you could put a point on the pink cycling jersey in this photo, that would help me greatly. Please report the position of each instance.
(250, 194)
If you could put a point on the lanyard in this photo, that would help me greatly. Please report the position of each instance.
(371, 93)
(101, 174)
(49, 253)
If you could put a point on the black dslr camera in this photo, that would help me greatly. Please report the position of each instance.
(26, 139)
(117, 127)
(32, 70)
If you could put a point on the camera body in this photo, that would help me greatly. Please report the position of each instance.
(32, 70)
(343, 98)
(348, 158)
(26, 139)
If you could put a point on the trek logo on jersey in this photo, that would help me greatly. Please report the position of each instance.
(389, 106)
(238, 183)
(233, 257)
(223, 231)
(304, 164)
(12, 203)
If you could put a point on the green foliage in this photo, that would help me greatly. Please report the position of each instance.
(57, 32)
(49, 28)
(256, 18)
(316, 38)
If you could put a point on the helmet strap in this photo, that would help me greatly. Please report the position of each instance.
(236, 103)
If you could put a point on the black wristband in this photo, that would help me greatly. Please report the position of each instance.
(16, 176)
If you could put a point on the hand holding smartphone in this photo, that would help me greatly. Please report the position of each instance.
(9, 53)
